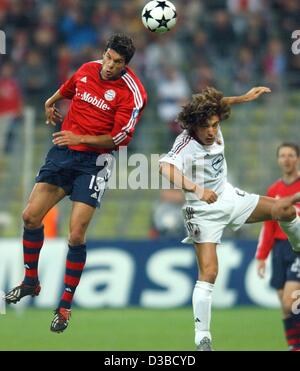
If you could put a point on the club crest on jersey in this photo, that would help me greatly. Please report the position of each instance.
(217, 162)
(110, 95)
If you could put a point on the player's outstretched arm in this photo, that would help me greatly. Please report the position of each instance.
(171, 172)
(51, 112)
(252, 94)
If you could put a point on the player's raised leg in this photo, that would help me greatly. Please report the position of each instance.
(81, 216)
(282, 210)
(43, 197)
(202, 295)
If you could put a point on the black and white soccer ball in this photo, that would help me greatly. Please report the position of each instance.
(159, 16)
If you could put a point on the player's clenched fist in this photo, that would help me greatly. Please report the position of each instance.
(52, 114)
(206, 195)
(209, 196)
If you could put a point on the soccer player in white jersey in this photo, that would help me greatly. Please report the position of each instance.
(197, 164)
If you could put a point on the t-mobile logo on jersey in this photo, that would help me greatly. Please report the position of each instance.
(2, 42)
(100, 103)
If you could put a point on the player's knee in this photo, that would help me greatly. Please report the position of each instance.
(77, 237)
(209, 274)
(30, 220)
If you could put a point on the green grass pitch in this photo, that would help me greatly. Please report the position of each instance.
(245, 328)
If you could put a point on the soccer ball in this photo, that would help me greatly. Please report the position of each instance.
(159, 16)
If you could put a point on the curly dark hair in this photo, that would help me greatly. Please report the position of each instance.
(122, 44)
(202, 106)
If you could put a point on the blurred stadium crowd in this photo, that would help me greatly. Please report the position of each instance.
(230, 44)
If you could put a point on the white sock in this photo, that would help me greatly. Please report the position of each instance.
(202, 298)
(292, 230)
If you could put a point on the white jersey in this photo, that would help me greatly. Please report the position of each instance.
(203, 165)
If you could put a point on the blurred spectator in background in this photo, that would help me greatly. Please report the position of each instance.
(35, 77)
(77, 30)
(274, 64)
(4, 5)
(288, 12)
(222, 35)
(255, 34)
(11, 106)
(199, 50)
(20, 47)
(161, 50)
(245, 70)
(167, 220)
(245, 6)
(172, 90)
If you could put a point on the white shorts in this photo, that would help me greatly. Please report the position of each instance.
(206, 222)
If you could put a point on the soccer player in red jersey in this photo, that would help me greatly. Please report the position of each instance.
(285, 262)
(107, 102)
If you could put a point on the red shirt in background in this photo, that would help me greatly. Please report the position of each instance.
(271, 230)
(10, 97)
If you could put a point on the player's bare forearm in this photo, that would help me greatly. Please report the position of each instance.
(67, 138)
(252, 94)
(51, 112)
(176, 177)
(182, 182)
(100, 141)
(53, 99)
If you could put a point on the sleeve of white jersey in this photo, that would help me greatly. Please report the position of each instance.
(179, 152)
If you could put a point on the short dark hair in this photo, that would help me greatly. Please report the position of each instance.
(122, 44)
(290, 145)
(202, 106)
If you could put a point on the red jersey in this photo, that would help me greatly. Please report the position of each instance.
(271, 230)
(10, 97)
(101, 107)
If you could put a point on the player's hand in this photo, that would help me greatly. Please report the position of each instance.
(207, 195)
(52, 115)
(254, 93)
(66, 138)
(261, 268)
